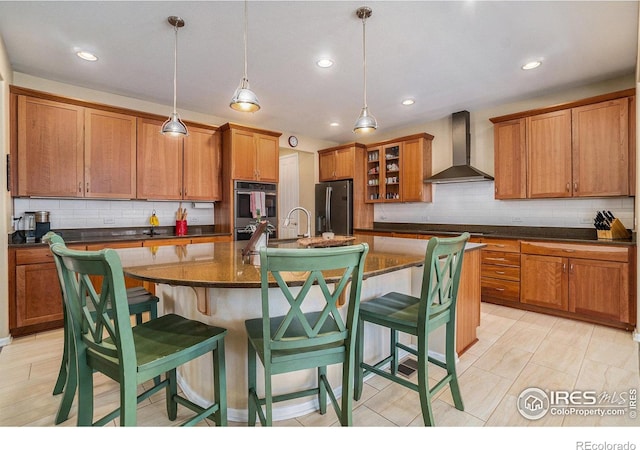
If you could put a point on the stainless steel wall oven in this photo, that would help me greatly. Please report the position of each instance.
(243, 214)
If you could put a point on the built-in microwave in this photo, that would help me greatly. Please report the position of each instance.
(243, 215)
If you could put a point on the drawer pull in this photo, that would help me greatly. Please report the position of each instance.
(499, 272)
(499, 289)
(496, 259)
(499, 245)
(568, 250)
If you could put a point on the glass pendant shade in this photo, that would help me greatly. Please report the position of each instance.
(174, 126)
(244, 99)
(366, 123)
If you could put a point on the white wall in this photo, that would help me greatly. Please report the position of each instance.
(5, 80)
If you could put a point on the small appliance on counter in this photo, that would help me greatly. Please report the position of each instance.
(42, 224)
(30, 227)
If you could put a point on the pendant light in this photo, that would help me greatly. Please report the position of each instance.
(244, 99)
(173, 125)
(366, 123)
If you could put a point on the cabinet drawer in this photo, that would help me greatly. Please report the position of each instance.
(500, 289)
(500, 258)
(37, 255)
(501, 272)
(501, 245)
(585, 251)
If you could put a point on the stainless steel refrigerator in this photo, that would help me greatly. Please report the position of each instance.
(334, 207)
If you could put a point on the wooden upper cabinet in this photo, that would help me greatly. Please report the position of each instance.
(50, 148)
(601, 149)
(255, 154)
(549, 155)
(395, 170)
(159, 170)
(202, 165)
(585, 148)
(109, 155)
(267, 157)
(337, 163)
(416, 167)
(510, 166)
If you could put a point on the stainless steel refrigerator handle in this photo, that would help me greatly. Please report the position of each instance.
(327, 207)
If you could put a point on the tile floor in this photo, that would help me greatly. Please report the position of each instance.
(516, 350)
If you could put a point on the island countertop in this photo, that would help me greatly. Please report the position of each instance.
(221, 264)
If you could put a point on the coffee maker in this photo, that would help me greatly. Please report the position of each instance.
(30, 227)
(42, 224)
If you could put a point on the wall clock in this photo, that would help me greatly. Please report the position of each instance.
(293, 141)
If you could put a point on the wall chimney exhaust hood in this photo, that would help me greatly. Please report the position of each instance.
(461, 171)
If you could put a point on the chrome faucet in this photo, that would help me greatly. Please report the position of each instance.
(288, 219)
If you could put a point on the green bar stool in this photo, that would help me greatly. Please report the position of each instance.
(140, 301)
(418, 317)
(305, 340)
(102, 339)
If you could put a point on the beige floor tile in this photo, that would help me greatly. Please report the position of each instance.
(396, 403)
(506, 414)
(545, 378)
(509, 313)
(613, 347)
(446, 415)
(481, 392)
(535, 319)
(571, 332)
(524, 336)
(495, 324)
(365, 417)
(504, 361)
(486, 338)
(565, 358)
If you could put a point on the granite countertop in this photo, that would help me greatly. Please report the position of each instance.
(221, 264)
(500, 231)
(86, 236)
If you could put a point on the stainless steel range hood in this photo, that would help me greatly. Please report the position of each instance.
(462, 170)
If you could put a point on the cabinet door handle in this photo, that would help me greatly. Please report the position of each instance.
(79, 186)
(87, 189)
(571, 268)
(564, 267)
(575, 186)
(568, 187)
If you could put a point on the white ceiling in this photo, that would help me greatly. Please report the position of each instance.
(449, 55)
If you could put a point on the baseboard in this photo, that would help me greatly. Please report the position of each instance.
(636, 335)
(5, 341)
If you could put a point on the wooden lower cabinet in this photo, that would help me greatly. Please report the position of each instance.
(36, 302)
(590, 282)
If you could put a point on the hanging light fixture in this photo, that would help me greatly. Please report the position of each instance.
(173, 125)
(366, 123)
(244, 99)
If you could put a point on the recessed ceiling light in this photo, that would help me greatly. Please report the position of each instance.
(531, 65)
(334, 124)
(87, 56)
(408, 101)
(324, 63)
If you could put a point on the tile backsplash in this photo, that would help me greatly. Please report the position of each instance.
(473, 203)
(81, 213)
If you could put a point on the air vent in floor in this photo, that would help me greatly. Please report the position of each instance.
(407, 367)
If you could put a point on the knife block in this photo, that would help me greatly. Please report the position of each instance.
(617, 231)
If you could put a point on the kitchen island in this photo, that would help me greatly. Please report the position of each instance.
(213, 283)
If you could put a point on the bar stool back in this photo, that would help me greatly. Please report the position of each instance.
(301, 339)
(418, 317)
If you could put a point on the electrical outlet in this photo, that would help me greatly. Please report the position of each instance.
(586, 220)
(516, 220)
(108, 220)
(193, 220)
